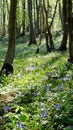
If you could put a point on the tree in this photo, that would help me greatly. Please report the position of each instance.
(32, 33)
(65, 27)
(38, 13)
(23, 19)
(7, 67)
(48, 29)
(3, 31)
(70, 28)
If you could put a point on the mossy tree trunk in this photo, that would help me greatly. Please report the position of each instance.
(32, 39)
(38, 14)
(8, 63)
(65, 27)
(23, 20)
(4, 16)
(70, 27)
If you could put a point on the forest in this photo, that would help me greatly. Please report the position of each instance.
(36, 64)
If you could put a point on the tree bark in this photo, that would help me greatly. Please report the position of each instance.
(38, 13)
(32, 33)
(23, 20)
(70, 28)
(3, 31)
(63, 46)
(8, 63)
(48, 29)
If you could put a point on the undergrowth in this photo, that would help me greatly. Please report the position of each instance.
(39, 95)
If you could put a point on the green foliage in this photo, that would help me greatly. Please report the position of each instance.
(39, 95)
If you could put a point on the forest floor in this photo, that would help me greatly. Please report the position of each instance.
(39, 95)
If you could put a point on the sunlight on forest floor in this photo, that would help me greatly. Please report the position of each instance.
(39, 95)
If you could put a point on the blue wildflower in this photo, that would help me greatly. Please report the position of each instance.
(47, 88)
(57, 106)
(22, 126)
(44, 114)
(60, 87)
(18, 124)
(34, 94)
(6, 109)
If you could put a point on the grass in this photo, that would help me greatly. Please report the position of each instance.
(39, 95)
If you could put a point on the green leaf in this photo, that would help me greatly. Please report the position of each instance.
(13, 123)
(23, 117)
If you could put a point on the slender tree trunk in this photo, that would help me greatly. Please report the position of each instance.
(7, 14)
(47, 46)
(65, 27)
(38, 13)
(60, 12)
(18, 25)
(7, 7)
(34, 15)
(23, 20)
(32, 33)
(48, 29)
(1, 17)
(8, 63)
(40, 16)
(3, 31)
(70, 27)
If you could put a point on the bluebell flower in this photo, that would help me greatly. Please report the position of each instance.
(6, 109)
(18, 124)
(34, 94)
(44, 114)
(42, 106)
(47, 88)
(60, 87)
(57, 106)
(22, 126)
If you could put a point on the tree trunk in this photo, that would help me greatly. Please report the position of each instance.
(47, 46)
(23, 20)
(3, 31)
(1, 17)
(48, 29)
(51, 39)
(65, 27)
(32, 33)
(8, 63)
(60, 12)
(38, 13)
(70, 27)
(18, 24)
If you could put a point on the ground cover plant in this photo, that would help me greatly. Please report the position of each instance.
(39, 95)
